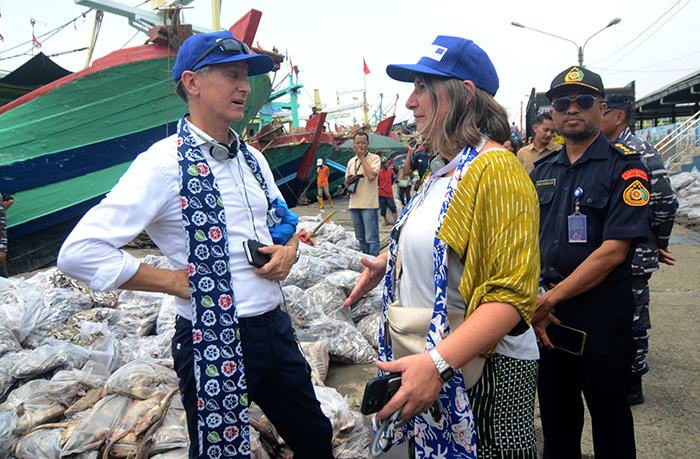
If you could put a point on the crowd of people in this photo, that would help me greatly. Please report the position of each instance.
(498, 249)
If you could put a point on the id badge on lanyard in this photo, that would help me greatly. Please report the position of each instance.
(578, 228)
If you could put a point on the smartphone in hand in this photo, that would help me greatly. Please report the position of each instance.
(379, 391)
(566, 338)
(255, 258)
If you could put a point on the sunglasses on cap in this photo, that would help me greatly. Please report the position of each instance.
(228, 45)
(584, 102)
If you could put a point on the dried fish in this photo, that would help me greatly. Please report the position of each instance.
(59, 304)
(316, 354)
(307, 272)
(67, 385)
(18, 308)
(41, 444)
(8, 341)
(99, 299)
(331, 298)
(49, 357)
(141, 379)
(180, 453)
(86, 401)
(96, 427)
(7, 362)
(71, 330)
(301, 307)
(172, 433)
(141, 311)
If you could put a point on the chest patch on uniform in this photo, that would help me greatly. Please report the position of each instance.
(625, 150)
(635, 173)
(636, 195)
(546, 183)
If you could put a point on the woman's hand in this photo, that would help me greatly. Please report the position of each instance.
(420, 385)
(370, 278)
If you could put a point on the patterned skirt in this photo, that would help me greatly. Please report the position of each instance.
(503, 402)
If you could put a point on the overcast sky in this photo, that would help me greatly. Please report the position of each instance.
(327, 40)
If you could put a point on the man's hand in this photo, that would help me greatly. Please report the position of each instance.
(360, 150)
(666, 258)
(370, 278)
(3, 257)
(544, 306)
(282, 257)
(420, 385)
(541, 332)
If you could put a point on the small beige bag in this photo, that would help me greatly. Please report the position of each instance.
(409, 327)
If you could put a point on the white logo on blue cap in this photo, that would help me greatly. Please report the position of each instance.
(436, 52)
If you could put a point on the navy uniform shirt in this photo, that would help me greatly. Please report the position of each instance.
(419, 162)
(615, 196)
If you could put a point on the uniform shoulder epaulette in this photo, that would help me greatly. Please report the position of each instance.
(624, 150)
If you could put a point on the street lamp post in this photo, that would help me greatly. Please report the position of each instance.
(578, 48)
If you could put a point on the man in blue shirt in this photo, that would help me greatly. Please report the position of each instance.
(593, 199)
(662, 212)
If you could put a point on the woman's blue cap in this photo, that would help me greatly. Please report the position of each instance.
(453, 57)
(198, 44)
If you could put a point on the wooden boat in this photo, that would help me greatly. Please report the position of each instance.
(292, 156)
(64, 145)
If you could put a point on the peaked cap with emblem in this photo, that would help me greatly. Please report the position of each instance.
(576, 78)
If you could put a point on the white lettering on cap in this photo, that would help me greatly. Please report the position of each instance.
(436, 52)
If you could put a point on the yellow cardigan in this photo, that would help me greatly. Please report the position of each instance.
(492, 223)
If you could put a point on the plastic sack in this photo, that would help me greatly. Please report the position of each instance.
(99, 299)
(96, 425)
(68, 385)
(167, 315)
(352, 442)
(350, 241)
(336, 409)
(59, 304)
(59, 354)
(345, 343)
(345, 278)
(365, 306)
(8, 341)
(306, 272)
(7, 363)
(352, 255)
(153, 347)
(316, 354)
(369, 327)
(141, 310)
(35, 410)
(18, 308)
(142, 379)
(325, 251)
(41, 444)
(71, 330)
(135, 420)
(172, 434)
(43, 279)
(157, 261)
(257, 451)
(7, 428)
(180, 453)
(331, 298)
(301, 307)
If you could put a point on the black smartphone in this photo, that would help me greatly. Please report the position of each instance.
(379, 391)
(566, 338)
(254, 257)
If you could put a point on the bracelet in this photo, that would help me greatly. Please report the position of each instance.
(296, 248)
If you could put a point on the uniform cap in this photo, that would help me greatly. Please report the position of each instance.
(623, 102)
(576, 77)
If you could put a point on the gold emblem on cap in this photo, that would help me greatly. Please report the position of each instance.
(574, 76)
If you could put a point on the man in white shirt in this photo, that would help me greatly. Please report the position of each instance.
(154, 194)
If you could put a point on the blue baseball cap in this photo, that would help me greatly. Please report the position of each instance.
(194, 48)
(453, 57)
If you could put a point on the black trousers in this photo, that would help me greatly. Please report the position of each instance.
(601, 374)
(278, 379)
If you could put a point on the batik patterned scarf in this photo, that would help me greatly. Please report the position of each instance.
(454, 436)
(222, 400)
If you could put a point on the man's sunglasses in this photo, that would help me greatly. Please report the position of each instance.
(228, 45)
(584, 102)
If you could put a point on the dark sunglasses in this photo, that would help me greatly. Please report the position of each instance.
(227, 45)
(584, 102)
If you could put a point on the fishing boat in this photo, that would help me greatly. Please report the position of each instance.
(64, 145)
(292, 156)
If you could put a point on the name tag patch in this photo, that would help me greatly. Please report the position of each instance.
(636, 195)
(635, 173)
(546, 183)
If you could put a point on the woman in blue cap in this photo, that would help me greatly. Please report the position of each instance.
(475, 217)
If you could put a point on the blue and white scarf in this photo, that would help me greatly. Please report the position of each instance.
(222, 400)
(454, 436)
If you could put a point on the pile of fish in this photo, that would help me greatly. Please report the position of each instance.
(89, 374)
(687, 186)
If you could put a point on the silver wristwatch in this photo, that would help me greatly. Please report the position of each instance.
(298, 251)
(445, 371)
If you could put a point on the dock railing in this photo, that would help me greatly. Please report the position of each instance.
(681, 144)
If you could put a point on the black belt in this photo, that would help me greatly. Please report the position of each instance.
(256, 321)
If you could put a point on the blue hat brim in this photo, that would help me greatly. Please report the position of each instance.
(408, 72)
(257, 63)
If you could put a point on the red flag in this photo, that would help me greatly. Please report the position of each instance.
(36, 41)
(366, 69)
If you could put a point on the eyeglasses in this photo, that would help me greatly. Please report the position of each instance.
(584, 102)
(228, 45)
